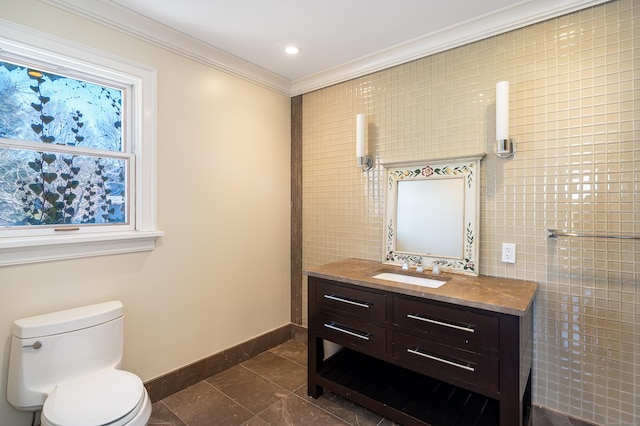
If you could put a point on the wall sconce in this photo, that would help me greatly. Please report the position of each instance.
(362, 160)
(504, 147)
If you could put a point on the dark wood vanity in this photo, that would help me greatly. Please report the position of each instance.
(460, 354)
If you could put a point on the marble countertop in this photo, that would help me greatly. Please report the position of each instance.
(505, 295)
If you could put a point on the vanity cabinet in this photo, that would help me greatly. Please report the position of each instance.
(420, 361)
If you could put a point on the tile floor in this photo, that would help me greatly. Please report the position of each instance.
(270, 389)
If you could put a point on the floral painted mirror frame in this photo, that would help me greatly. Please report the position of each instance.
(466, 169)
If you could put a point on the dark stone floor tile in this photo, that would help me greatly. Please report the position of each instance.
(387, 422)
(253, 392)
(576, 422)
(293, 351)
(162, 416)
(294, 411)
(255, 421)
(542, 417)
(203, 405)
(259, 392)
(346, 410)
(545, 417)
(279, 370)
(351, 413)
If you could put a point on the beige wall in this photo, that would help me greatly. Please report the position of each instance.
(220, 275)
(575, 105)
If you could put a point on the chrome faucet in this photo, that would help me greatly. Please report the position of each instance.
(436, 266)
(419, 268)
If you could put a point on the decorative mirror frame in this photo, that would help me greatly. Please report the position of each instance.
(469, 169)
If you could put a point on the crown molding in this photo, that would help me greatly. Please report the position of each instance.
(124, 20)
(508, 19)
(524, 13)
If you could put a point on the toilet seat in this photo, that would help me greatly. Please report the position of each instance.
(108, 397)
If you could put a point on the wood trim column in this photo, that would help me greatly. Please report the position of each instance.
(296, 209)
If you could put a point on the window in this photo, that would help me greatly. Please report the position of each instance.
(77, 151)
(63, 159)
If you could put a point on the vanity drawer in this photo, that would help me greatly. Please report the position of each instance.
(446, 363)
(351, 333)
(353, 301)
(453, 326)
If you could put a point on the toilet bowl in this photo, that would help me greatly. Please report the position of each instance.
(108, 397)
(67, 364)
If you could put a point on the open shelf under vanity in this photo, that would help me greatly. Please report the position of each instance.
(412, 397)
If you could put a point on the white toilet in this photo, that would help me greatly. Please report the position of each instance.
(67, 364)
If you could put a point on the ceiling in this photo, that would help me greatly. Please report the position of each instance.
(339, 39)
(329, 32)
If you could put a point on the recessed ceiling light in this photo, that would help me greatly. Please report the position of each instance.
(292, 50)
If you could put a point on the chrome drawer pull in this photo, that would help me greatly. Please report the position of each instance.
(446, 324)
(333, 326)
(435, 358)
(351, 302)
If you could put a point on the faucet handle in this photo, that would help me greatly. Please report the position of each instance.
(436, 266)
(419, 268)
(405, 265)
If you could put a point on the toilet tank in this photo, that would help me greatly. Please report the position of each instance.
(72, 343)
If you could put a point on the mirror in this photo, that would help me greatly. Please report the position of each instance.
(432, 214)
(416, 217)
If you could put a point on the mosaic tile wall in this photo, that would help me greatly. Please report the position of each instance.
(575, 116)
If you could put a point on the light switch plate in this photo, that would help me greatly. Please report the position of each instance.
(508, 253)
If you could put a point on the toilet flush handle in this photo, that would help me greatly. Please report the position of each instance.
(36, 345)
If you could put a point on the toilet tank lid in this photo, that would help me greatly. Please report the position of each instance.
(67, 320)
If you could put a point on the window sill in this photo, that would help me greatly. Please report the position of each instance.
(17, 251)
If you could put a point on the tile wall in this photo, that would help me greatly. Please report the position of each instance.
(575, 116)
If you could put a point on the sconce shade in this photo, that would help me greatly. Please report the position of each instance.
(502, 111)
(360, 135)
(363, 159)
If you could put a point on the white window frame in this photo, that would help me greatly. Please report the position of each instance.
(20, 41)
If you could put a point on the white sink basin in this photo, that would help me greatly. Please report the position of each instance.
(409, 279)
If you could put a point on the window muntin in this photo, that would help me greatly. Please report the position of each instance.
(63, 152)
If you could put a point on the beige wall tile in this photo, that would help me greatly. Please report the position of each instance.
(574, 116)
